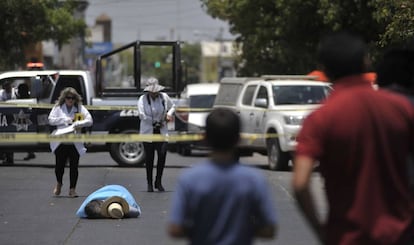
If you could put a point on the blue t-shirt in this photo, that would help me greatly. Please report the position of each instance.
(222, 204)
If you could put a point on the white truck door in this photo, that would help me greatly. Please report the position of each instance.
(247, 112)
(260, 104)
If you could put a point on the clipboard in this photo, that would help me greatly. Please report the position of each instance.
(67, 130)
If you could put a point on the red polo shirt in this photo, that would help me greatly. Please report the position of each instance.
(361, 138)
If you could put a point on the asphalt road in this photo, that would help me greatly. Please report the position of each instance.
(30, 214)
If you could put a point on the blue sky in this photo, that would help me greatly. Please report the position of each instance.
(153, 19)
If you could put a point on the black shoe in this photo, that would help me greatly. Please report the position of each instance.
(8, 160)
(150, 188)
(159, 186)
(29, 156)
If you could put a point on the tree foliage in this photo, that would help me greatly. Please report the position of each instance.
(25, 22)
(281, 36)
(190, 60)
(191, 57)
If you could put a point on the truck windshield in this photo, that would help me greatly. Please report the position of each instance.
(202, 101)
(299, 94)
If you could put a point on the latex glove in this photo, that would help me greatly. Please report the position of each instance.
(169, 118)
(77, 124)
(67, 120)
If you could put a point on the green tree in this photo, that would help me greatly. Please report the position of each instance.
(26, 22)
(281, 36)
(191, 57)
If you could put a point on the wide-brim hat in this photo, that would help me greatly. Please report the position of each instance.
(153, 85)
(110, 211)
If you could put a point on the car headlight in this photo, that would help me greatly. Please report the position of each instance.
(294, 120)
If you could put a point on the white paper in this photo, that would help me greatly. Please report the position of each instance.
(68, 129)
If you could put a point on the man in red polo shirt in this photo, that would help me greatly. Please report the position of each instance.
(362, 139)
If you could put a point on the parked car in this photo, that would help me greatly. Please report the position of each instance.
(272, 109)
(111, 104)
(197, 101)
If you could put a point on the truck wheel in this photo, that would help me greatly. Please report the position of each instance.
(128, 154)
(277, 159)
(172, 147)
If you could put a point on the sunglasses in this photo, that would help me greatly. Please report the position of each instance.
(69, 98)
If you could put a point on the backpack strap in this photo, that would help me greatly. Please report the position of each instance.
(162, 99)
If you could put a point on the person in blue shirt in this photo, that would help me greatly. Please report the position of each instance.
(111, 201)
(220, 201)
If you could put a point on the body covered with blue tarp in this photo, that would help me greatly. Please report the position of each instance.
(106, 192)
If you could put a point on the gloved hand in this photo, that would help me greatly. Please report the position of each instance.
(77, 124)
(67, 120)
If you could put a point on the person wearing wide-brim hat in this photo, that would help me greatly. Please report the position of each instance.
(155, 110)
(153, 86)
(111, 201)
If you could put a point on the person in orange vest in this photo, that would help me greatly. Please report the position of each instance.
(369, 76)
(319, 74)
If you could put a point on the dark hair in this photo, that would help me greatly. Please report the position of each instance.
(222, 129)
(396, 67)
(69, 91)
(342, 54)
(23, 91)
(93, 209)
(7, 84)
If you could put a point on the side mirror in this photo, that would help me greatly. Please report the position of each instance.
(261, 102)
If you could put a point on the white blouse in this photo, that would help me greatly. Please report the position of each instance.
(61, 117)
(154, 111)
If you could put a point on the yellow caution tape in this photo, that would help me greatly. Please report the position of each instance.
(187, 109)
(50, 106)
(98, 107)
(110, 138)
(120, 108)
(259, 136)
(33, 137)
(41, 106)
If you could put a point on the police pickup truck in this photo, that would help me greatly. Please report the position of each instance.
(272, 109)
(111, 99)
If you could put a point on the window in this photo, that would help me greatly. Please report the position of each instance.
(65, 81)
(228, 94)
(263, 95)
(202, 101)
(248, 95)
(299, 94)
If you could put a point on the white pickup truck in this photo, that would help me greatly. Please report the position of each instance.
(106, 98)
(272, 109)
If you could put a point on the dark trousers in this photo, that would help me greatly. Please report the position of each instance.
(65, 153)
(161, 149)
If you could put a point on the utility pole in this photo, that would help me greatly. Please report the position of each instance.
(177, 21)
(219, 55)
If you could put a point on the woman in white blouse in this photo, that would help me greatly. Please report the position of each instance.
(155, 110)
(68, 111)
